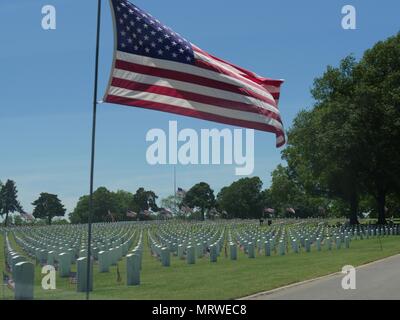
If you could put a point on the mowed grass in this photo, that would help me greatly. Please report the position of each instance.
(225, 279)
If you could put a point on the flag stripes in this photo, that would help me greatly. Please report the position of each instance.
(165, 89)
(231, 98)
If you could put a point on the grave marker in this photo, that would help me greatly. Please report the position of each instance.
(24, 279)
(81, 267)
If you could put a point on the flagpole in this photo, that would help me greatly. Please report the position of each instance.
(88, 275)
(175, 187)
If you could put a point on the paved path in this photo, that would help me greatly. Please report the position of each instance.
(377, 280)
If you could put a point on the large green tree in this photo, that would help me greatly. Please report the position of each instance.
(117, 203)
(376, 119)
(242, 199)
(124, 202)
(172, 203)
(348, 143)
(48, 206)
(322, 143)
(8, 199)
(200, 196)
(289, 191)
(103, 202)
(144, 200)
(393, 205)
(18, 221)
(284, 192)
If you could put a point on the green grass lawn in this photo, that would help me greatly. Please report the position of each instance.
(225, 279)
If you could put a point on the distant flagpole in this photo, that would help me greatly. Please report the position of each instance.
(88, 275)
(175, 188)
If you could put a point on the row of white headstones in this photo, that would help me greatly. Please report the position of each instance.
(39, 247)
(65, 246)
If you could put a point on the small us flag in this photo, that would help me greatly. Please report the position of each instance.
(156, 68)
(181, 192)
(131, 214)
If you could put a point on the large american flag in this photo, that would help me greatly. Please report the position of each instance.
(156, 68)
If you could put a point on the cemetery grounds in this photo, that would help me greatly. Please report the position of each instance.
(193, 260)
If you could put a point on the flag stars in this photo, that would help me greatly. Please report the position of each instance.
(140, 33)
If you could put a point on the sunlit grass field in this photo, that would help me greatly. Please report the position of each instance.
(225, 279)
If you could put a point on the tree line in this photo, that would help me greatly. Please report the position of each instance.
(46, 207)
(242, 199)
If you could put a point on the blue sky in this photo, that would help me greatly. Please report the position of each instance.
(47, 81)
